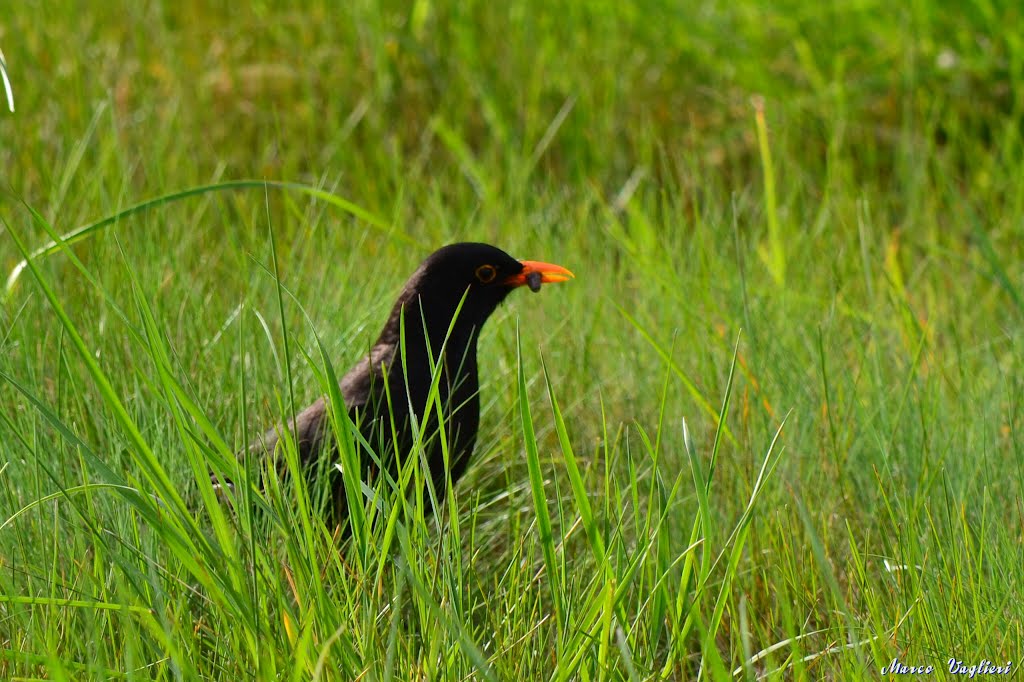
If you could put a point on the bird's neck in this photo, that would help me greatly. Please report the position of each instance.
(424, 337)
(454, 350)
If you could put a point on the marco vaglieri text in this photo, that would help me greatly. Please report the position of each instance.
(954, 665)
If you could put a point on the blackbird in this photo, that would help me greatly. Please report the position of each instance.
(437, 317)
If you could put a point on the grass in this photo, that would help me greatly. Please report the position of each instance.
(771, 431)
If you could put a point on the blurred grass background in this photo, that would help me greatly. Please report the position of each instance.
(863, 245)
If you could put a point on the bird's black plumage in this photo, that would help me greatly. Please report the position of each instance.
(437, 318)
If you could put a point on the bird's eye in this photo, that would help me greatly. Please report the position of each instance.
(486, 274)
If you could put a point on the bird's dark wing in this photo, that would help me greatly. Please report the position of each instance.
(366, 390)
(309, 429)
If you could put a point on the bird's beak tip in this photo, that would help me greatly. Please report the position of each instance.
(535, 273)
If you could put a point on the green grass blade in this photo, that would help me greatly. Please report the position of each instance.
(540, 501)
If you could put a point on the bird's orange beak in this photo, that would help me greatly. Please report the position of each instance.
(536, 273)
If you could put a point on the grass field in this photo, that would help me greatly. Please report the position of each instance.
(773, 430)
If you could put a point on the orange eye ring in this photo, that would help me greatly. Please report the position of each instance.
(486, 274)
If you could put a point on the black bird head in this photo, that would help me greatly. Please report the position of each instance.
(477, 276)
